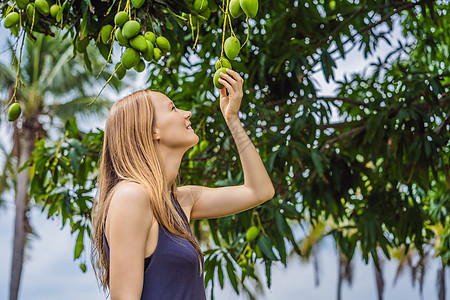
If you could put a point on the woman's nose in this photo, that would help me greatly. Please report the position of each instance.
(189, 113)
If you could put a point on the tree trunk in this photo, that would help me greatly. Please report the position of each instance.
(339, 285)
(441, 282)
(379, 280)
(21, 226)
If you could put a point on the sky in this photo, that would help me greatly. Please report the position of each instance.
(50, 273)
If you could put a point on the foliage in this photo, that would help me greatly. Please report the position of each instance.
(380, 172)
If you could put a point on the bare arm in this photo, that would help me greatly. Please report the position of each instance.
(129, 219)
(257, 188)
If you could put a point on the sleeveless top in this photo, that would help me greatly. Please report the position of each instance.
(172, 272)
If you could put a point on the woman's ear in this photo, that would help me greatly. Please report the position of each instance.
(156, 135)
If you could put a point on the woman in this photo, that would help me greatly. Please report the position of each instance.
(143, 245)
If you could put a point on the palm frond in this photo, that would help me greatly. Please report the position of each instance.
(79, 106)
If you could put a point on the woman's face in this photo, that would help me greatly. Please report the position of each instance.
(171, 124)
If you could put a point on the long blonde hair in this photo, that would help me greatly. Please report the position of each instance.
(129, 153)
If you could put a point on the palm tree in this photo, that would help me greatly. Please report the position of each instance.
(54, 85)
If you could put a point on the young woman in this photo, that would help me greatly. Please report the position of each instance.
(143, 246)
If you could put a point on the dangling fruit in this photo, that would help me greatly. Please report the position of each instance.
(250, 7)
(81, 44)
(201, 5)
(148, 55)
(216, 82)
(139, 43)
(54, 9)
(121, 71)
(105, 33)
(235, 8)
(232, 47)
(14, 112)
(131, 29)
(137, 3)
(150, 36)
(163, 44)
(120, 39)
(258, 252)
(130, 58)
(204, 145)
(11, 19)
(30, 12)
(140, 66)
(223, 63)
(22, 4)
(157, 53)
(120, 18)
(252, 233)
(42, 7)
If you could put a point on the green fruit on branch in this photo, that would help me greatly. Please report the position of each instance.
(250, 7)
(248, 254)
(137, 3)
(42, 7)
(193, 152)
(130, 29)
(204, 145)
(120, 18)
(11, 19)
(148, 55)
(139, 43)
(105, 33)
(157, 54)
(163, 44)
(120, 39)
(206, 14)
(81, 44)
(223, 63)
(201, 5)
(14, 112)
(54, 9)
(235, 8)
(120, 71)
(22, 4)
(32, 11)
(216, 82)
(258, 252)
(150, 36)
(232, 47)
(252, 233)
(130, 58)
(140, 66)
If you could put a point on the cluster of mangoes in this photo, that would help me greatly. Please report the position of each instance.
(232, 46)
(32, 13)
(138, 46)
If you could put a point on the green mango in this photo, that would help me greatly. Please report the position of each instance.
(22, 4)
(139, 43)
(120, 71)
(105, 33)
(120, 39)
(148, 55)
(42, 7)
(250, 7)
(216, 82)
(157, 54)
(232, 46)
(223, 63)
(130, 29)
(200, 5)
(81, 45)
(150, 36)
(130, 58)
(252, 233)
(137, 3)
(54, 9)
(14, 112)
(30, 11)
(235, 8)
(120, 18)
(204, 145)
(163, 44)
(140, 66)
(11, 19)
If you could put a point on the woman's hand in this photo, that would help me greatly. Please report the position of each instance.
(229, 104)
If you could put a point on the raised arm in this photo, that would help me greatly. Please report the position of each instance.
(210, 203)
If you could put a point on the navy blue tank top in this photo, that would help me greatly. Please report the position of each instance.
(172, 272)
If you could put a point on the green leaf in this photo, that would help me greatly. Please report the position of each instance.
(79, 245)
(266, 247)
(316, 158)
